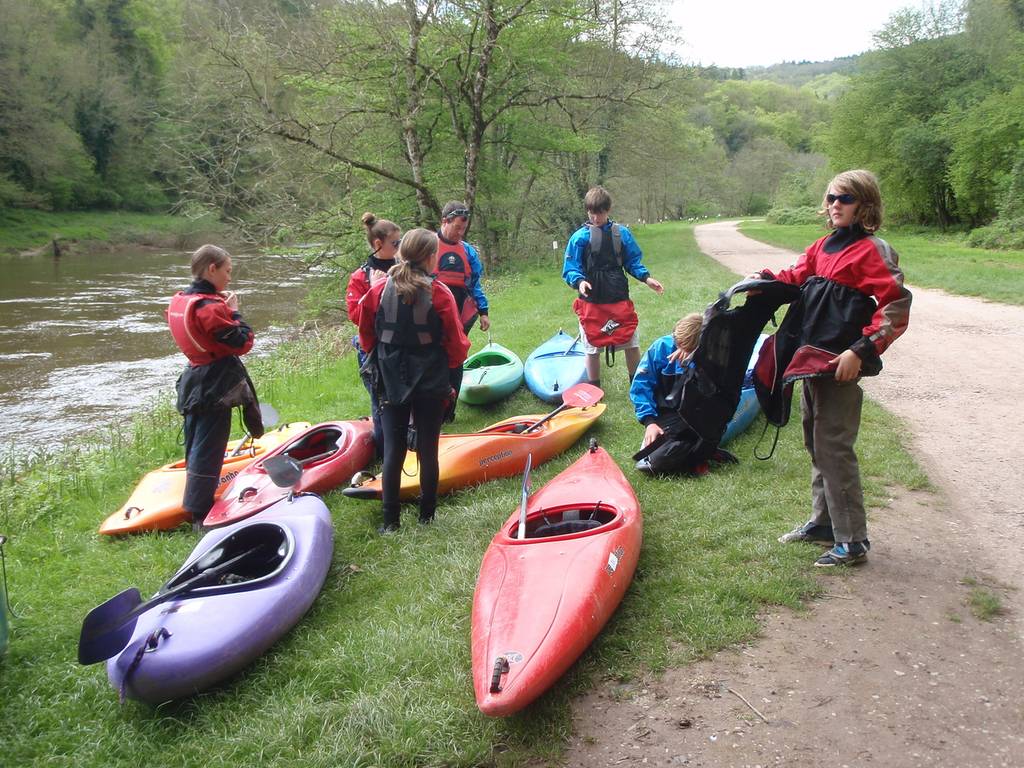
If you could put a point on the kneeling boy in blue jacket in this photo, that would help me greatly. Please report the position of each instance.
(657, 385)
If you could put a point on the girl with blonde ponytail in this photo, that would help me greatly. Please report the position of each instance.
(409, 326)
(418, 256)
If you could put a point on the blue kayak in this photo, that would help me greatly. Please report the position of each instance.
(748, 408)
(554, 366)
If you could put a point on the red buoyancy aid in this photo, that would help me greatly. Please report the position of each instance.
(200, 347)
(454, 271)
(453, 264)
(606, 325)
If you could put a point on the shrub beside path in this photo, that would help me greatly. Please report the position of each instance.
(893, 668)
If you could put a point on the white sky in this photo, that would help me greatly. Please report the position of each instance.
(740, 33)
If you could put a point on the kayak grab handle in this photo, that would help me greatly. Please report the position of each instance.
(359, 478)
(500, 668)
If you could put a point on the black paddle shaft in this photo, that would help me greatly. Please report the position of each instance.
(547, 418)
(101, 638)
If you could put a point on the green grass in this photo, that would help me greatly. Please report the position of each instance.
(23, 229)
(931, 260)
(984, 603)
(378, 673)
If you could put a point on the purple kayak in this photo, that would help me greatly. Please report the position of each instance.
(191, 643)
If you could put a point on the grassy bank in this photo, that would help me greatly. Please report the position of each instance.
(931, 260)
(27, 230)
(378, 673)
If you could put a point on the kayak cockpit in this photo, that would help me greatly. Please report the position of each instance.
(318, 445)
(257, 553)
(570, 522)
(486, 360)
(513, 428)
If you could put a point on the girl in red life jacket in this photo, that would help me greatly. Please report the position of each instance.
(384, 238)
(208, 328)
(854, 305)
(409, 325)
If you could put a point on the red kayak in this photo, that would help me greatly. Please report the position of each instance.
(330, 453)
(542, 599)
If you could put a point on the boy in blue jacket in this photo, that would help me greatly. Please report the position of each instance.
(598, 257)
(657, 384)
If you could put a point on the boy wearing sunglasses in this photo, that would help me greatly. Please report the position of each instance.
(852, 306)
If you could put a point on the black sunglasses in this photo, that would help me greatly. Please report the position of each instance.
(463, 212)
(396, 243)
(846, 198)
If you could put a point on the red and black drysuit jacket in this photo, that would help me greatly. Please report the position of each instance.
(851, 297)
(827, 316)
(212, 336)
(414, 350)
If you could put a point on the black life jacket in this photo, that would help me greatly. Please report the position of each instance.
(668, 389)
(706, 395)
(603, 266)
(408, 356)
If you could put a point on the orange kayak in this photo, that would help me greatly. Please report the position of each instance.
(155, 504)
(496, 451)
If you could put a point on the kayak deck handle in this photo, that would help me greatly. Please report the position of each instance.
(132, 512)
(500, 668)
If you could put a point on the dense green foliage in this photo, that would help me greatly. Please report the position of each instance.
(79, 98)
(378, 673)
(292, 117)
(936, 112)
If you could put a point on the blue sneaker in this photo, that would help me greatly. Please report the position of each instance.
(810, 532)
(845, 554)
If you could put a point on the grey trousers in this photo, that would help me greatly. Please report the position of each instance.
(831, 420)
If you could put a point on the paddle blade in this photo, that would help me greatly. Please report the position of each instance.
(270, 415)
(582, 395)
(105, 633)
(284, 471)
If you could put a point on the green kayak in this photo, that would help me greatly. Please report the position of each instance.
(490, 374)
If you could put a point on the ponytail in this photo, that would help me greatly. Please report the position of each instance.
(415, 263)
(377, 229)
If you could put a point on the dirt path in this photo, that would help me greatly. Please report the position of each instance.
(893, 669)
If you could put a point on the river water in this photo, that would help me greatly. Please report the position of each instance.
(84, 343)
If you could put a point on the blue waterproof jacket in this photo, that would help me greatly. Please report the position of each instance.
(654, 379)
(573, 269)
